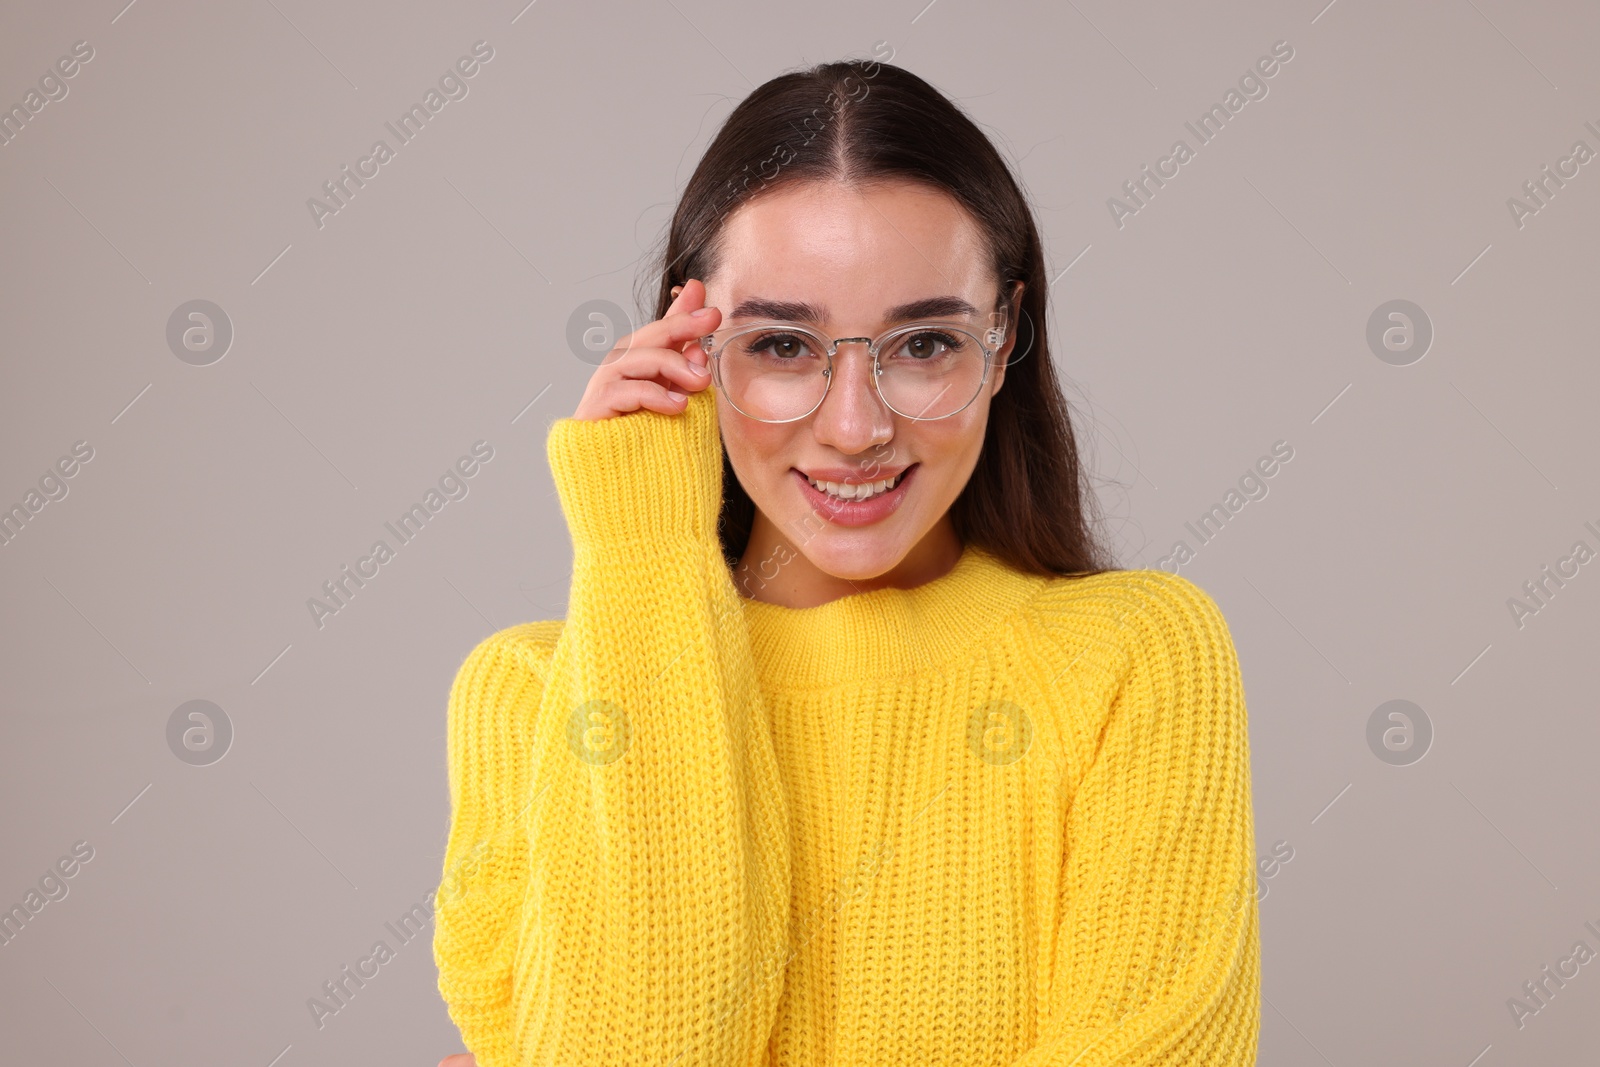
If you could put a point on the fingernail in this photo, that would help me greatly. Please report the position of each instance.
(701, 313)
(698, 369)
(675, 396)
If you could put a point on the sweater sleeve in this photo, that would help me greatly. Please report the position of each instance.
(1157, 960)
(658, 892)
(477, 905)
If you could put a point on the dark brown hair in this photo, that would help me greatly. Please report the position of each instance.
(862, 122)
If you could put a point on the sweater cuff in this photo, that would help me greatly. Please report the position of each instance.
(481, 1010)
(639, 475)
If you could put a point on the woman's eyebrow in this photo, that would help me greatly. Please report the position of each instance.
(933, 307)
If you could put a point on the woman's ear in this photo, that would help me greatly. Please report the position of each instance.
(1014, 304)
(1002, 357)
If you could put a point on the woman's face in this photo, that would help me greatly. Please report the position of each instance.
(855, 254)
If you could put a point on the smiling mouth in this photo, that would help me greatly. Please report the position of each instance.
(847, 494)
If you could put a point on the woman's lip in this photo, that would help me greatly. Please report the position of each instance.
(850, 475)
(856, 512)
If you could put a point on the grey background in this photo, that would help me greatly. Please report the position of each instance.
(368, 355)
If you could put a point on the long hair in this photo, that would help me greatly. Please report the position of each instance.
(1029, 501)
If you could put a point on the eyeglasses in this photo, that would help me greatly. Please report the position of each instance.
(775, 371)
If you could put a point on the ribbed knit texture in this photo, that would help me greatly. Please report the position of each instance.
(997, 819)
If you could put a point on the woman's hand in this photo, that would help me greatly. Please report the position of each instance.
(460, 1059)
(650, 368)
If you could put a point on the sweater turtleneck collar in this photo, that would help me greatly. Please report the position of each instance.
(889, 631)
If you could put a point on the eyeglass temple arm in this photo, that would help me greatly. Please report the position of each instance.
(1000, 318)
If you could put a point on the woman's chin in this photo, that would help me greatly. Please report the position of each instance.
(857, 555)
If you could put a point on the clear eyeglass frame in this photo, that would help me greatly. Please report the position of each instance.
(989, 339)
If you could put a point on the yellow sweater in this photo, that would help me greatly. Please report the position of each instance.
(997, 819)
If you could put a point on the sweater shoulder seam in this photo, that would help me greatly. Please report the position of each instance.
(532, 644)
(1131, 596)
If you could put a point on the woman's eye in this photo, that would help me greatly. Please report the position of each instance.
(929, 345)
(785, 345)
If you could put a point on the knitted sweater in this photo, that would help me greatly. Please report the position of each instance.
(996, 819)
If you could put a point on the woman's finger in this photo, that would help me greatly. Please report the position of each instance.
(664, 366)
(679, 326)
(631, 394)
(662, 358)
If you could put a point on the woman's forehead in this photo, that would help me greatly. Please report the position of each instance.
(921, 234)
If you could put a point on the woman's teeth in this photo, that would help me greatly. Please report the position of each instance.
(865, 491)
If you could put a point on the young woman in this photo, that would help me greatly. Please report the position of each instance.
(852, 749)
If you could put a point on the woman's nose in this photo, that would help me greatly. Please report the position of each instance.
(853, 417)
